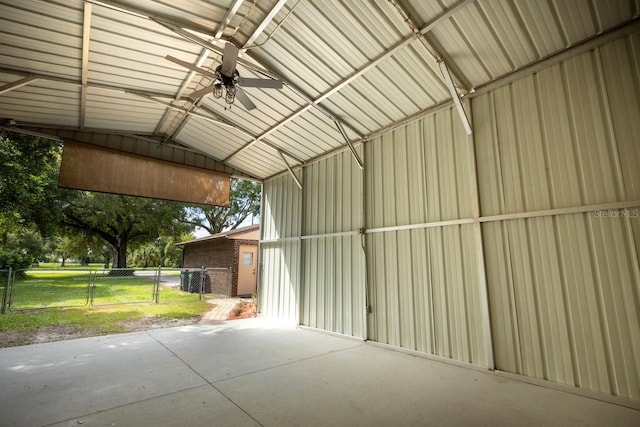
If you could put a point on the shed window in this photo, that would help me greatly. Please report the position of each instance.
(247, 258)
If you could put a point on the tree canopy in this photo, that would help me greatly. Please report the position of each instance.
(33, 209)
(123, 220)
(244, 203)
(29, 197)
(29, 181)
(37, 217)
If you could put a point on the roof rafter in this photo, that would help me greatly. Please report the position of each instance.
(32, 77)
(86, 38)
(360, 72)
(204, 54)
(17, 84)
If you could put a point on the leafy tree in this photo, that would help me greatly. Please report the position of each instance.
(244, 202)
(20, 244)
(28, 182)
(123, 220)
(160, 252)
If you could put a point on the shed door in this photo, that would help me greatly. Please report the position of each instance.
(247, 269)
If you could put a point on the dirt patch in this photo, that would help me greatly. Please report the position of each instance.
(243, 310)
(68, 332)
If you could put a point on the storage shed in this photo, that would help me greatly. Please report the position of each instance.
(454, 178)
(231, 259)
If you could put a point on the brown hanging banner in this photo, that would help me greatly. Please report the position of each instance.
(92, 168)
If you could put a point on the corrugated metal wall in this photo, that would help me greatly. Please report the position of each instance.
(333, 286)
(565, 287)
(522, 250)
(279, 288)
(425, 282)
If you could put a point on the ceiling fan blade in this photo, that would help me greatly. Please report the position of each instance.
(191, 67)
(229, 59)
(202, 92)
(264, 83)
(244, 99)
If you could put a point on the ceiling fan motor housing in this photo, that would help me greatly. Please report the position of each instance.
(227, 81)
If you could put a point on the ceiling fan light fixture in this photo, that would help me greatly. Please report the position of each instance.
(217, 90)
(231, 94)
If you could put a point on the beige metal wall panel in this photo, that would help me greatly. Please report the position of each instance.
(563, 137)
(278, 290)
(281, 209)
(564, 287)
(333, 295)
(424, 292)
(333, 291)
(564, 297)
(422, 172)
(620, 86)
(333, 195)
(424, 283)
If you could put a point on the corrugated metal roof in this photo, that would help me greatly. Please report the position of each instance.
(357, 62)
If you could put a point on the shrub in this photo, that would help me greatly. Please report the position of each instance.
(15, 259)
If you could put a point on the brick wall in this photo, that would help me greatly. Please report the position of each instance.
(218, 253)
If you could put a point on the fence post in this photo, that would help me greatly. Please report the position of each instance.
(92, 286)
(202, 272)
(157, 287)
(6, 291)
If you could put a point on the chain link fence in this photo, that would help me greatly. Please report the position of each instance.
(215, 281)
(123, 286)
(47, 288)
(36, 289)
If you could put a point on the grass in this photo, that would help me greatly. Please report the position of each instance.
(62, 298)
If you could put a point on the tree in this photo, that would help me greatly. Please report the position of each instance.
(159, 252)
(28, 182)
(244, 201)
(123, 220)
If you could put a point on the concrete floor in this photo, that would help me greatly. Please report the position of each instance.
(263, 372)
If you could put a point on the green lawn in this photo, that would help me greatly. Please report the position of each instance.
(47, 300)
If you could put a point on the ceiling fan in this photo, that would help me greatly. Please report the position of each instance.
(227, 80)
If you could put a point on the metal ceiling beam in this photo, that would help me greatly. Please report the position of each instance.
(86, 37)
(444, 69)
(265, 22)
(212, 120)
(29, 132)
(180, 29)
(455, 96)
(205, 51)
(204, 54)
(358, 73)
(181, 109)
(293, 175)
(74, 82)
(422, 32)
(17, 84)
